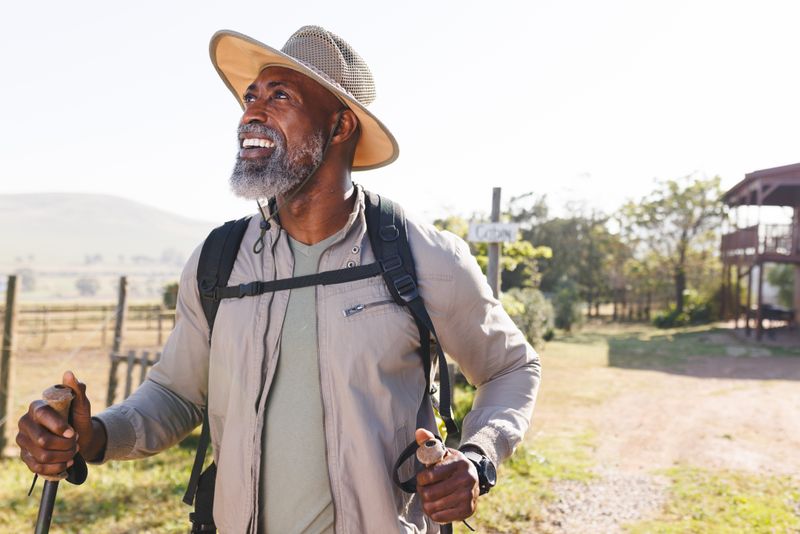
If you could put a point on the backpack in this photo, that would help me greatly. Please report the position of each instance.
(386, 228)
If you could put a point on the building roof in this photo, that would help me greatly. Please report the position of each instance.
(778, 186)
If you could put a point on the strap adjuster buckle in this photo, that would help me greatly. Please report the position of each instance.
(247, 290)
(406, 287)
(208, 288)
(389, 233)
(391, 263)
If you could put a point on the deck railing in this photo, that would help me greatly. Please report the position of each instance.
(774, 239)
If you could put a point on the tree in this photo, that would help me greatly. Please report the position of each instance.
(87, 286)
(782, 277)
(676, 221)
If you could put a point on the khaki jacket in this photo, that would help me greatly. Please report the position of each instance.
(371, 376)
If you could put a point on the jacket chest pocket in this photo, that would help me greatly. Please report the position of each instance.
(372, 340)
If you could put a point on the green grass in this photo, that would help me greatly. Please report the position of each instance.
(120, 497)
(524, 482)
(726, 502)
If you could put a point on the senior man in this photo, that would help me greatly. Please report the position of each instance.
(313, 393)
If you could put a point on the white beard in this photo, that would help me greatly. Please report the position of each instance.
(283, 171)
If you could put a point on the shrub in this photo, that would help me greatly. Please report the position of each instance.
(567, 304)
(170, 295)
(696, 310)
(531, 312)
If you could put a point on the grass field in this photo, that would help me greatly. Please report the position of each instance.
(713, 419)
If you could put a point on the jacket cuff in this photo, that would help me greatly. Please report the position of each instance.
(488, 439)
(120, 435)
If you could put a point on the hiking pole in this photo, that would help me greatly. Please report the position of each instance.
(59, 398)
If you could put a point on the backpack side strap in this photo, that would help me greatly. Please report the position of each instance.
(386, 225)
(214, 268)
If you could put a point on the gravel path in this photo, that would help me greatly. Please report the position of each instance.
(605, 504)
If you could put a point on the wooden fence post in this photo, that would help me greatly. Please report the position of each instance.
(45, 325)
(6, 360)
(129, 373)
(119, 330)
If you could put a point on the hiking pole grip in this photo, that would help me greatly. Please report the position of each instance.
(429, 454)
(59, 398)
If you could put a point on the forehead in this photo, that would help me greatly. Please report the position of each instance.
(271, 76)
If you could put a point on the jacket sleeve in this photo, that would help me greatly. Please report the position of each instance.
(168, 405)
(494, 356)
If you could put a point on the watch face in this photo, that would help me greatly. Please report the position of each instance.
(490, 473)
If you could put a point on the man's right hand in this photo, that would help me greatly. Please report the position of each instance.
(48, 443)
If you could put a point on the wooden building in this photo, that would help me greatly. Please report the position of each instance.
(750, 246)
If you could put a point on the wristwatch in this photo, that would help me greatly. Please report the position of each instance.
(487, 474)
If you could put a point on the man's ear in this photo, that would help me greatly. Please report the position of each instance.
(345, 128)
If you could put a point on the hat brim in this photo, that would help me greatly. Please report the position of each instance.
(239, 60)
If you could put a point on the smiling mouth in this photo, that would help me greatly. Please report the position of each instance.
(256, 147)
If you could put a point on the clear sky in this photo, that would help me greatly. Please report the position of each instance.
(585, 101)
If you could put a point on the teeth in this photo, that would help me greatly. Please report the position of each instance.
(261, 143)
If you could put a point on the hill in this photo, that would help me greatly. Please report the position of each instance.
(52, 230)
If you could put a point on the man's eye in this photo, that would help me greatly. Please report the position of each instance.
(249, 98)
(281, 95)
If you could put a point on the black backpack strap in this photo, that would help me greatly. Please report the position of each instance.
(216, 263)
(389, 239)
(213, 270)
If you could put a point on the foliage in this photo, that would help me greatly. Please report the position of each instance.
(531, 312)
(519, 257)
(727, 502)
(567, 305)
(782, 277)
(87, 286)
(678, 223)
(170, 295)
(119, 497)
(696, 310)
(516, 504)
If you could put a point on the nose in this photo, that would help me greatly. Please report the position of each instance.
(254, 112)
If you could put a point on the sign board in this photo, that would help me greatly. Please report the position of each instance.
(493, 232)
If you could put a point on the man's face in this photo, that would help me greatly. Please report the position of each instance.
(282, 133)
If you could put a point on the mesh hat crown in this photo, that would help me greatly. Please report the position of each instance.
(322, 56)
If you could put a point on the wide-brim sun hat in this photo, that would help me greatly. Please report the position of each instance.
(322, 56)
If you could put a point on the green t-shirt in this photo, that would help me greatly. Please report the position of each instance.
(296, 491)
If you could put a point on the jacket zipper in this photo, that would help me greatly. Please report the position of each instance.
(358, 308)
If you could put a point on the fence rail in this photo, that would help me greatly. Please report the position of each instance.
(43, 320)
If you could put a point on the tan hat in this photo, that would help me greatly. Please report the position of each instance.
(322, 56)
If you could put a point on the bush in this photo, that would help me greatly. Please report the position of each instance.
(170, 295)
(696, 310)
(531, 312)
(567, 304)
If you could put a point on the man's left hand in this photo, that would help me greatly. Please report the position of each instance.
(449, 489)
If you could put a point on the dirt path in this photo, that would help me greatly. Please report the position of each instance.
(720, 423)
(717, 412)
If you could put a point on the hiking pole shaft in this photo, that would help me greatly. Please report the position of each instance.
(46, 507)
(58, 398)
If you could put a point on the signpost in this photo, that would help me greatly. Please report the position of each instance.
(494, 233)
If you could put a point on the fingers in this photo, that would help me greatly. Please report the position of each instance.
(43, 415)
(422, 435)
(41, 438)
(437, 473)
(449, 490)
(455, 507)
(42, 460)
(52, 469)
(81, 409)
(47, 442)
